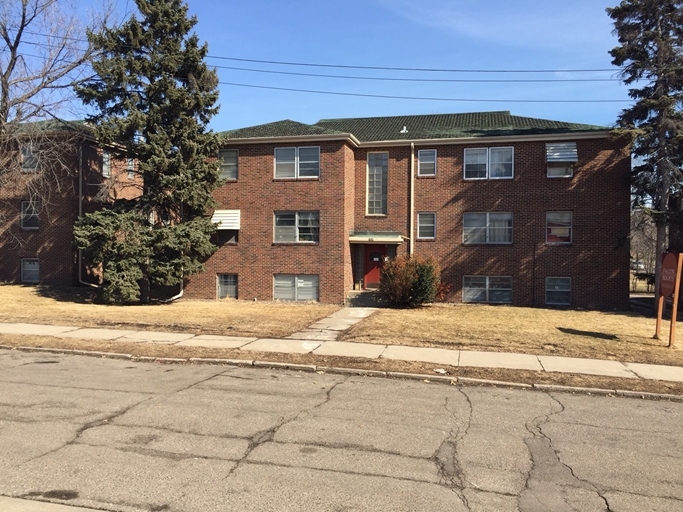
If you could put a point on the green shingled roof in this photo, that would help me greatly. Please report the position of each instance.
(433, 126)
(286, 128)
(441, 126)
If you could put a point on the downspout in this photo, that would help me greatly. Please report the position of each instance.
(175, 297)
(80, 214)
(411, 243)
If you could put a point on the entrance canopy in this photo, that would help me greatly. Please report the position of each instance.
(375, 237)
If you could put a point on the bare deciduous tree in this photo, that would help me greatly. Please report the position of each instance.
(44, 53)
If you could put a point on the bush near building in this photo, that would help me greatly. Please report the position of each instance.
(410, 282)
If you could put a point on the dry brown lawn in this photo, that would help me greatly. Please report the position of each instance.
(623, 336)
(76, 307)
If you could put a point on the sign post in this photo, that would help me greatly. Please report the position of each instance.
(669, 285)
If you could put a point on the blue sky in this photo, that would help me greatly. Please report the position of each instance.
(436, 34)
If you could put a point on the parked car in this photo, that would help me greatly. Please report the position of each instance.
(637, 265)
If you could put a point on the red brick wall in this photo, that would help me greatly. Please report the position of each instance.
(255, 258)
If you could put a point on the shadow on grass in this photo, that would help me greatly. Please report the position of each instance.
(591, 334)
(73, 294)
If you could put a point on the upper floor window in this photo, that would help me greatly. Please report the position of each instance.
(558, 227)
(106, 164)
(426, 162)
(29, 215)
(294, 227)
(561, 157)
(487, 228)
(301, 162)
(131, 168)
(426, 225)
(228, 161)
(29, 158)
(489, 163)
(378, 170)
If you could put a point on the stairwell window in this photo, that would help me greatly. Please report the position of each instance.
(426, 226)
(487, 228)
(297, 163)
(377, 177)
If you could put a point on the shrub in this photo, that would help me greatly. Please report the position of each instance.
(409, 281)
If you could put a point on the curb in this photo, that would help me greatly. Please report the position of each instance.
(436, 379)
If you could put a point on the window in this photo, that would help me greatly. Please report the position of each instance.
(29, 215)
(489, 163)
(426, 225)
(30, 270)
(487, 228)
(298, 288)
(487, 289)
(294, 227)
(561, 157)
(29, 158)
(558, 291)
(426, 162)
(378, 169)
(297, 162)
(131, 168)
(558, 227)
(228, 161)
(227, 286)
(227, 236)
(106, 164)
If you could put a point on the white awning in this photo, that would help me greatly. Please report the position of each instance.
(375, 238)
(226, 219)
(561, 152)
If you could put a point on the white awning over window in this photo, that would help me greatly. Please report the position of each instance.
(226, 219)
(561, 152)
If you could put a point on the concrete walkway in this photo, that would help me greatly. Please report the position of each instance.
(320, 339)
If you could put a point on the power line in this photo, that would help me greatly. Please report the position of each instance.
(385, 96)
(439, 80)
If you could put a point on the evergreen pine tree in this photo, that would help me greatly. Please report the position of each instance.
(153, 96)
(650, 53)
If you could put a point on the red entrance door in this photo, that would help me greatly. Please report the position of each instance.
(374, 258)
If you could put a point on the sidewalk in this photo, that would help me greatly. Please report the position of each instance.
(320, 339)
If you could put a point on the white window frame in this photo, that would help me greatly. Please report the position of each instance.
(429, 159)
(34, 206)
(489, 163)
(297, 163)
(561, 155)
(487, 227)
(384, 192)
(570, 227)
(29, 158)
(433, 225)
(296, 228)
(298, 279)
(130, 164)
(106, 164)
(229, 171)
(556, 288)
(26, 274)
(488, 289)
(220, 286)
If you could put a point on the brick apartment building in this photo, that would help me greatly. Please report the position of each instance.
(55, 173)
(515, 210)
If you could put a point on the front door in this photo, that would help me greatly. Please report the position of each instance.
(374, 258)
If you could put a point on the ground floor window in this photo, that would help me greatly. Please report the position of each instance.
(558, 291)
(291, 287)
(495, 289)
(30, 270)
(227, 286)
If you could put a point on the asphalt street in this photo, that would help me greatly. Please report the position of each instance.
(131, 436)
